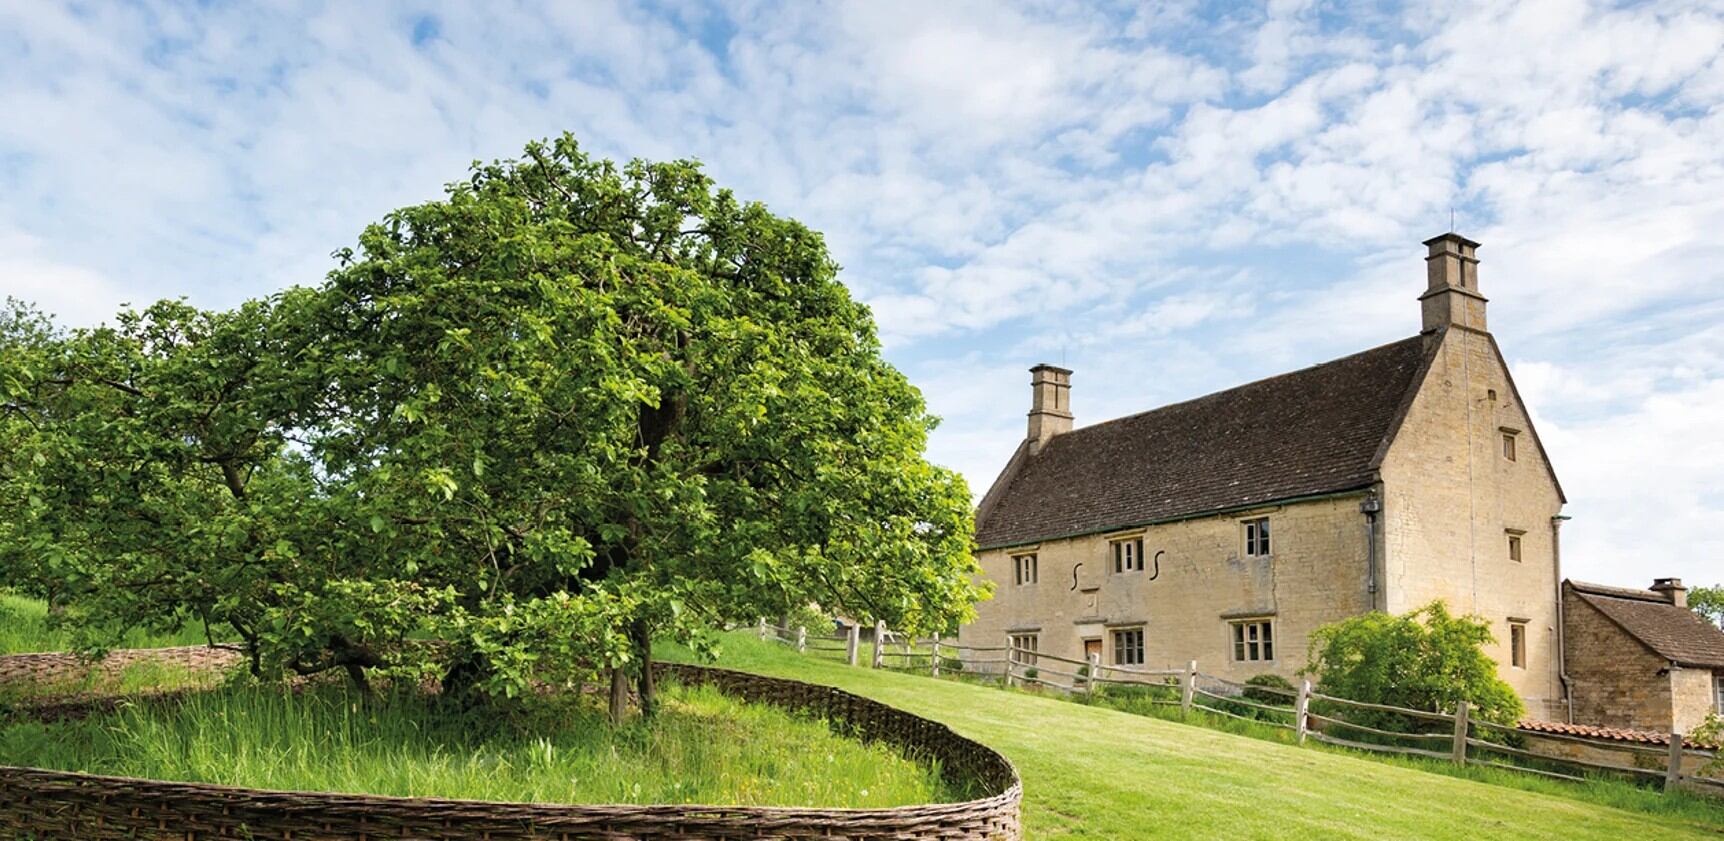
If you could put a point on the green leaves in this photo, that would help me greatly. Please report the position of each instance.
(568, 402)
(1427, 659)
(1708, 602)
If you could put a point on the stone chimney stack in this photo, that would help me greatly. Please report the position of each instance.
(1452, 293)
(1050, 404)
(1671, 589)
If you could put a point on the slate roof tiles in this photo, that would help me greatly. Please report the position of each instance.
(1676, 633)
(1305, 433)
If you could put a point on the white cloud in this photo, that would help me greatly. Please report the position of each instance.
(70, 293)
(1178, 200)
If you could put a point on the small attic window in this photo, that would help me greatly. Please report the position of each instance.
(1257, 537)
(1127, 554)
(1509, 438)
(1024, 569)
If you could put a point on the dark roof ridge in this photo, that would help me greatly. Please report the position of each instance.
(1617, 592)
(1243, 385)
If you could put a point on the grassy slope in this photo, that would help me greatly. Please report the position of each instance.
(1094, 773)
(704, 748)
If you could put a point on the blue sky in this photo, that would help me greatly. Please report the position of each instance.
(1169, 200)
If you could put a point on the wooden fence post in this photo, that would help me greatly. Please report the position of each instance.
(1302, 708)
(1011, 659)
(1460, 751)
(1673, 771)
(852, 641)
(763, 627)
(935, 669)
(1094, 667)
(801, 638)
(1189, 687)
(879, 643)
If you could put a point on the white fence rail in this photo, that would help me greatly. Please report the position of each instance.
(1456, 737)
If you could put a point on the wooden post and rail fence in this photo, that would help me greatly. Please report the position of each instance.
(1459, 736)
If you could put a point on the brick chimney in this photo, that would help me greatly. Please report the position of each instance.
(1050, 404)
(1452, 291)
(1671, 589)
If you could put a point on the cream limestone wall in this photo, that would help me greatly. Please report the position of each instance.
(1616, 681)
(1450, 499)
(1316, 574)
(1691, 698)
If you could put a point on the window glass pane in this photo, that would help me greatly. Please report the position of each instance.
(1268, 649)
(1128, 647)
(1257, 537)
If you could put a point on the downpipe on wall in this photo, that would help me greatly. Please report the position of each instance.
(1370, 506)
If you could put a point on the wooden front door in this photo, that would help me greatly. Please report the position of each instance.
(1092, 648)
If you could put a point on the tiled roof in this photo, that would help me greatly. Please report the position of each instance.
(1614, 734)
(1678, 634)
(1305, 433)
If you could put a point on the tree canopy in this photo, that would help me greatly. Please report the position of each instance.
(1709, 603)
(567, 409)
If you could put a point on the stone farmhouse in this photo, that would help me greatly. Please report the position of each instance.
(1228, 528)
(1640, 659)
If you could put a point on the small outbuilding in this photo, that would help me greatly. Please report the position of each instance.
(1640, 659)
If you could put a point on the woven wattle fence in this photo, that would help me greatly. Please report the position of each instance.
(40, 804)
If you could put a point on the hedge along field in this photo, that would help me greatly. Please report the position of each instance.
(703, 747)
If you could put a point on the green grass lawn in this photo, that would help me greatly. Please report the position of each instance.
(25, 629)
(1097, 773)
(705, 747)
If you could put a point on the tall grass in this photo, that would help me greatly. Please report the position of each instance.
(704, 747)
(25, 627)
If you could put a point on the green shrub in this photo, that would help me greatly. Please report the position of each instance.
(1427, 659)
(1141, 699)
(1711, 732)
(1255, 690)
(810, 616)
